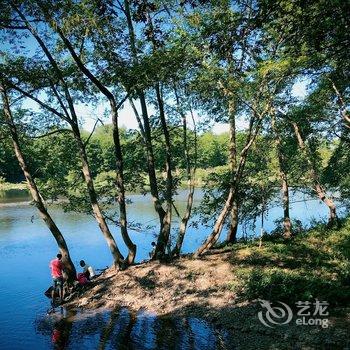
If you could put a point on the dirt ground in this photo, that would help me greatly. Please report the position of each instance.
(200, 288)
(162, 288)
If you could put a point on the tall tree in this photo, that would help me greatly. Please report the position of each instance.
(34, 191)
(282, 161)
(69, 115)
(246, 71)
(116, 138)
(191, 166)
(145, 127)
(314, 174)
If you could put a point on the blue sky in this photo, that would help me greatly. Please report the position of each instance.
(127, 118)
(89, 114)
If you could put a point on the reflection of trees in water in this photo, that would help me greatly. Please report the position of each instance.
(203, 334)
(117, 333)
(7, 222)
(168, 333)
(121, 329)
(186, 337)
(106, 332)
(143, 334)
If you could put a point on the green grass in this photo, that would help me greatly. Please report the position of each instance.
(5, 186)
(315, 264)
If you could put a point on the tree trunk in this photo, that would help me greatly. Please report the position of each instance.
(190, 179)
(164, 235)
(121, 191)
(342, 105)
(287, 225)
(321, 193)
(72, 119)
(214, 236)
(232, 232)
(163, 238)
(150, 161)
(147, 139)
(117, 147)
(184, 221)
(69, 266)
(163, 217)
(117, 256)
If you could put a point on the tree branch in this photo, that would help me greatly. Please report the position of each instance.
(51, 133)
(93, 130)
(35, 99)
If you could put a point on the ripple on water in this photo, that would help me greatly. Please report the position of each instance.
(122, 329)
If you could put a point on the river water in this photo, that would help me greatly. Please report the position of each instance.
(26, 247)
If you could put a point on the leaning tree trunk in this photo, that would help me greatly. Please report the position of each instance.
(117, 150)
(69, 266)
(121, 191)
(342, 104)
(147, 134)
(147, 140)
(232, 232)
(215, 234)
(287, 225)
(73, 121)
(321, 193)
(151, 164)
(164, 235)
(184, 222)
(190, 179)
(117, 256)
(163, 238)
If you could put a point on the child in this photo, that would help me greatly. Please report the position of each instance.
(151, 254)
(87, 270)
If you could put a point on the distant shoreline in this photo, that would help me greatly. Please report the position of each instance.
(8, 186)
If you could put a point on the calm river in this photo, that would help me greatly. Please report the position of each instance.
(26, 247)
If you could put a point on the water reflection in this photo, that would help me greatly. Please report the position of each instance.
(60, 334)
(14, 196)
(122, 329)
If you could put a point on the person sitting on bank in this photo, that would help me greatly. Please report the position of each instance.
(87, 270)
(57, 267)
(152, 252)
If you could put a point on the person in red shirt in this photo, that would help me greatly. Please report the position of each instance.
(56, 267)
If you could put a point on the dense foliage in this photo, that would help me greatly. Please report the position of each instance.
(183, 66)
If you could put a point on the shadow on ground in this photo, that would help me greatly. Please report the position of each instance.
(308, 267)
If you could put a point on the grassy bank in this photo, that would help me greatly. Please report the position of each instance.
(225, 285)
(6, 186)
(315, 264)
